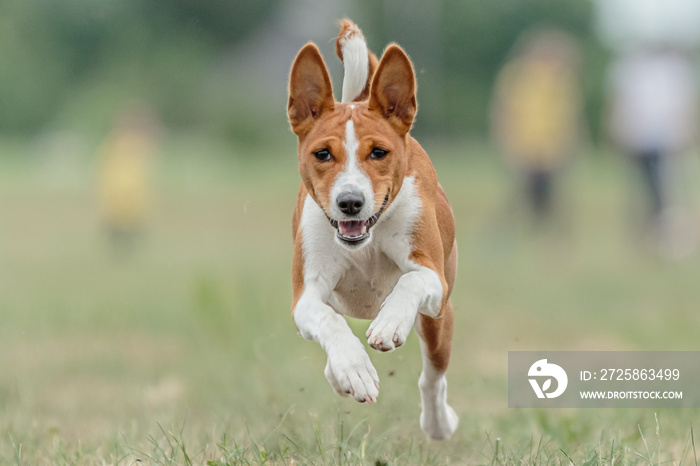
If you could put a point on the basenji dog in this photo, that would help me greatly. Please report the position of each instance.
(374, 235)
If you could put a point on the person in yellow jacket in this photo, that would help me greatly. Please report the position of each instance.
(537, 112)
(124, 174)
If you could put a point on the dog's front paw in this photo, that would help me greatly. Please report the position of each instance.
(390, 329)
(351, 373)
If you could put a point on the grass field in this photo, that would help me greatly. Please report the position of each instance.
(184, 351)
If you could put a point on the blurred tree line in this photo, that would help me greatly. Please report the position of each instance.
(458, 47)
(72, 59)
(71, 63)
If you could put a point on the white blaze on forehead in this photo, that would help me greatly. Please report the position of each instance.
(351, 144)
(352, 177)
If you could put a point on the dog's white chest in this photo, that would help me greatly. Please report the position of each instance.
(360, 281)
(366, 283)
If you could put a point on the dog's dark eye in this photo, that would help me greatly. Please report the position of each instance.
(378, 153)
(323, 155)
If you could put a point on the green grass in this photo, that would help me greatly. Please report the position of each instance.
(185, 353)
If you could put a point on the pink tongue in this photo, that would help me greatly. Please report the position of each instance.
(351, 229)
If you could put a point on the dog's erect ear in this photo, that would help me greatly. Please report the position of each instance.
(310, 89)
(393, 92)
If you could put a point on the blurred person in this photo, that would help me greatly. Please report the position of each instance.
(653, 118)
(125, 162)
(536, 114)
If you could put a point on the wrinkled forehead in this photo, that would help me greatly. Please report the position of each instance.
(332, 124)
(365, 123)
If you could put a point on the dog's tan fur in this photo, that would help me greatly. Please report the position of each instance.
(382, 114)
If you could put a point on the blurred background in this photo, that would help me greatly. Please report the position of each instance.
(221, 68)
(148, 176)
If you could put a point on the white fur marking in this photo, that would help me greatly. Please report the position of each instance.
(419, 289)
(352, 178)
(348, 370)
(437, 419)
(351, 144)
(331, 270)
(431, 286)
(356, 64)
(416, 291)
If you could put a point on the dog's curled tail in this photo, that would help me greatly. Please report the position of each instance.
(358, 61)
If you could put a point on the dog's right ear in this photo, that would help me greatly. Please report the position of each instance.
(310, 89)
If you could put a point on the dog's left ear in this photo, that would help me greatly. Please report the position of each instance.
(310, 89)
(393, 92)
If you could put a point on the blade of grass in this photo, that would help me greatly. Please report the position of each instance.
(692, 440)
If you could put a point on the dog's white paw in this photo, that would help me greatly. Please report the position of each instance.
(390, 329)
(351, 373)
(439, 424)
(437, 419)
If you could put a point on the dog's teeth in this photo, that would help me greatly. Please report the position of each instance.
(364, 229)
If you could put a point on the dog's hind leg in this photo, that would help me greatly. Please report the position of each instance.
(438, 420)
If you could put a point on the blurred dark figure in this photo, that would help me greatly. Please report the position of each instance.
(537, 114)
(124, 174)
(653, 121)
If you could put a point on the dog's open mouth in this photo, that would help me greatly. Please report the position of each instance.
(355, 231)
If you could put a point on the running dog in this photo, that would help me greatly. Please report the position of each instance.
(374, 235)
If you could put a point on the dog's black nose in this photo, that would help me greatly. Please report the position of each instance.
(351, 202)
